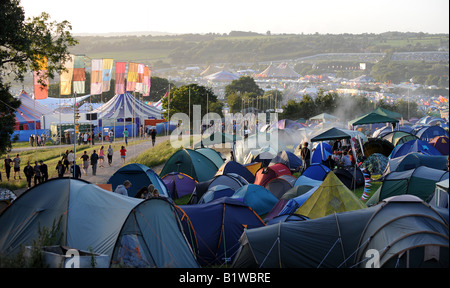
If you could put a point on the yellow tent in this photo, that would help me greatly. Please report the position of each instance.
(331, 196)
(253, 167)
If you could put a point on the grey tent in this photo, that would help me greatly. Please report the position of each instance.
(440, 196)
(339, 240)
(92, 219)
(415, 159)
(152, 236)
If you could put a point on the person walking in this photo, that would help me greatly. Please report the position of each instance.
(125, 135)
(8, 162)
(110, 155)
(61, 169)
(85, 159)
(44, 171)
(75, 171)
(65, 161)
(94, 160)
(29, 172)
(16, 162)
(37, 173)
(101, 157)
(153, 134)
(123, 154)
(305, 154)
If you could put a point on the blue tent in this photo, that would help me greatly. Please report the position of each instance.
(413, 146)
(316, 172)
(287, 158)
(216, 192)
(236, 168)
(139, 175)
(257, 197)
(215, 228)
(427, 133)
(293, 204)
(321, 152)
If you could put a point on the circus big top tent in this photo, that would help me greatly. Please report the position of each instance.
(126, 106)
(29, 112)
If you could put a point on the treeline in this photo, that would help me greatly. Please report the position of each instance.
(245, 47)
(346, 108)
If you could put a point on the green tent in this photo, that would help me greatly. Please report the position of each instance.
(331, 134)
(372, 118)
(388, 113)
(192, 163)
(420, 182)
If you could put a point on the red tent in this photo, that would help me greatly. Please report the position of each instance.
(265, 174)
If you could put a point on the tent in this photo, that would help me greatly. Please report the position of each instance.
(351, 177)
(441, 143)
(379, 133)
(287, 158)
(332, 196)
(294, 203)
(427, 133)
(236, 168)
(388, 113)
(126, 106)
(413, 146)
(152, 236)
(286, 123)
(314, 171)
(179, 184)
(139, 175)
(324, 117)
(398, 137)
(222, 76)
(217, 138)
(89, 217)
(377, 145)
(281, 71)
(320, 152)
(420, 182)
(29, 113)
(337, 240)
(212, 155)
(192, 163)
(440, 196)
(280, 185)
(253, 167)
(230, 180)
(216, 227)
(265, 174)
(372, 118)
(414, 160)
(257, 197)
(375, 163)
(215, 192)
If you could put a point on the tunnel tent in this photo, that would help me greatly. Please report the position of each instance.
(414, 160)
(152, 236)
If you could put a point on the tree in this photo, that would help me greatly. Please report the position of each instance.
(199, 95)
(22, 44)
(244, 84)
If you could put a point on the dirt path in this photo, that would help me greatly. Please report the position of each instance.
(105, 172)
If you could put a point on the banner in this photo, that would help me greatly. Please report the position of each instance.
(120, 77)
(96, 76)
(41, 91)
(107, 70)
(146, 82)
(79, 76)
(65, 86)
(132, 76)
(140, 78)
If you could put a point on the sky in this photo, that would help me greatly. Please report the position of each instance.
(276, 16)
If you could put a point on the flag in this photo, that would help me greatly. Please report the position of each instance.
(140, 78)
(79, 76)
(132, 76)
(159, 103)
(96, 76)
(146, 83)
(66, 76)
(41, 91)
(120, 77)
(107, 70)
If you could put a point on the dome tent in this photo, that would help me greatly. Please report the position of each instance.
(257, 197)
(139, 175)
(179, 184)
(192, 163)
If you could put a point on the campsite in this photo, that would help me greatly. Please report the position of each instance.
(305, 137)
(247, 212)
